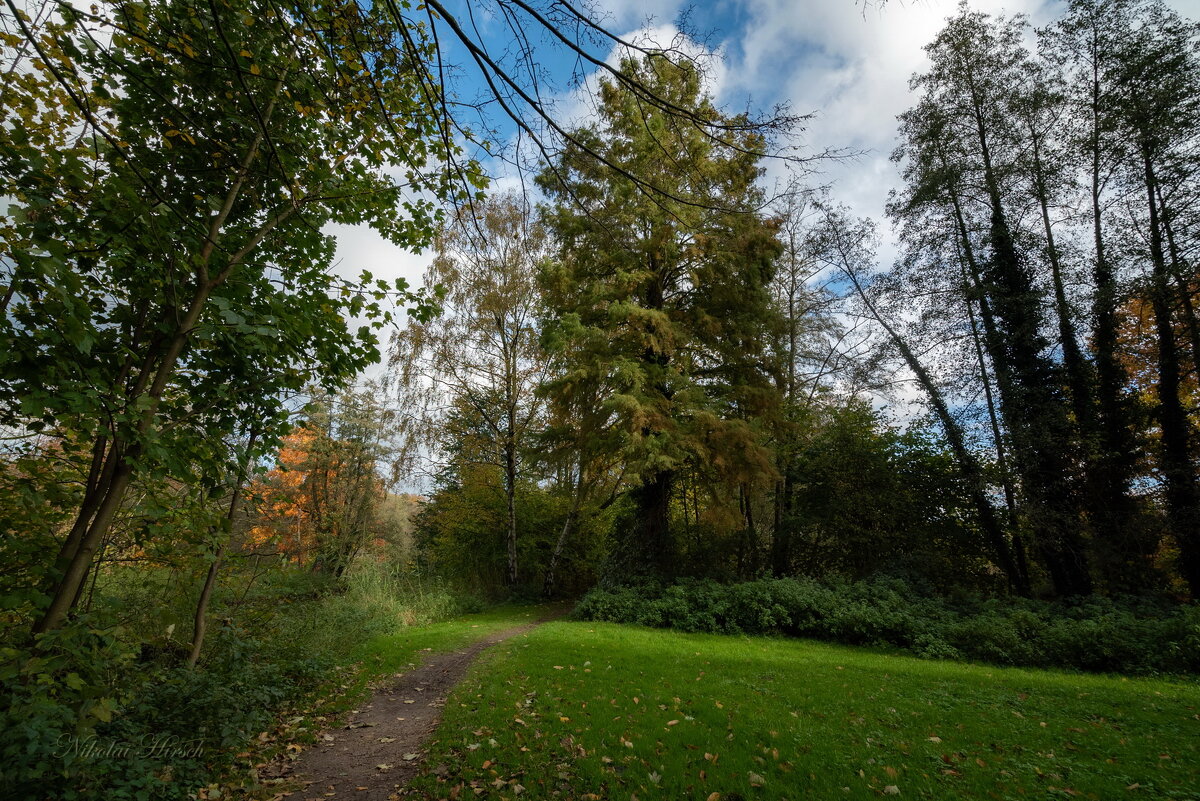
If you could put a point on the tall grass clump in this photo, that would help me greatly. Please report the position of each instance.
(372, 599)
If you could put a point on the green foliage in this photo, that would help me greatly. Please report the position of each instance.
(1130, 635)
(865, 497)
(57, 692)
(460, 535)
(104, 712)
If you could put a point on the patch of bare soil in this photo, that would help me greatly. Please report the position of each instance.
(381, 747)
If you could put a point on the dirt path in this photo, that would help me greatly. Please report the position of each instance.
(381, 747)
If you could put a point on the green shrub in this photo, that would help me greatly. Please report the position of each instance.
(114, 713)
(1130, 635)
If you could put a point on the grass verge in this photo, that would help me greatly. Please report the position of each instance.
(602, 711)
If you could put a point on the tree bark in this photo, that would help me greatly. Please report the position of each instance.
(510, 492)
(652, 527)
(199, 624)
(969, 467)
(1179, 473)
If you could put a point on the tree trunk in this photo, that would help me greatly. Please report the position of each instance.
(121, 471)
(510, 493)
(969, 467)
(1037, 418)
(781, 535)
(200, 622)
(1183, 496)
(652, 526)
(561, 544)
(1115, 512)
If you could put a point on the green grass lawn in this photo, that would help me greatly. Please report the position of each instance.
(586, 710)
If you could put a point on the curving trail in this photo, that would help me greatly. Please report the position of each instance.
(381, 747)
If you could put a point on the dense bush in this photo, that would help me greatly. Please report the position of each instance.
(97, 710)
(1098, 634)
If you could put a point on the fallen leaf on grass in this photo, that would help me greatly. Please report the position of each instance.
(756, 780)
(891, 789)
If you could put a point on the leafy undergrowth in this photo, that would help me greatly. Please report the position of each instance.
(591, 711)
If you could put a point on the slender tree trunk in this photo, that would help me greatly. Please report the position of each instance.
(1179, 473)
(1115, 513)
(510, 492)
(200, 621)
(972, 472)
(73, 577)
(120, 472)
(1182, 284)
(561, 544)
(781, 536)
(1076, 368)
(1037, 418)
(1010, 500)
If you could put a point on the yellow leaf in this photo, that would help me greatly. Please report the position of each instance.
(254, 70)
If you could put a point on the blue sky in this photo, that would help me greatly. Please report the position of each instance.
(847, 63)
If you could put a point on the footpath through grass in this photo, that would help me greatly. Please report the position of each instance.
(602, 711)
(373, 660)
(395, 651)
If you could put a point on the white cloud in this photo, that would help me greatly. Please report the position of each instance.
(850, 67)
